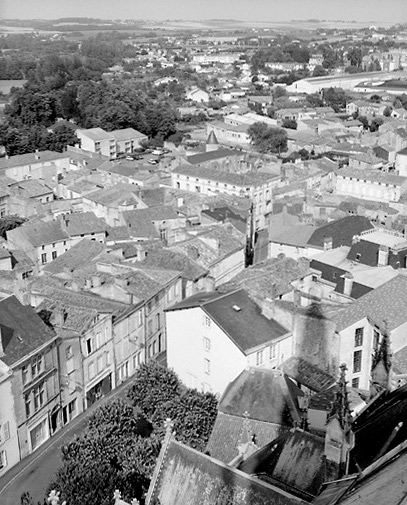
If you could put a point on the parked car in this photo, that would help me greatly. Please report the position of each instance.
(153, 161)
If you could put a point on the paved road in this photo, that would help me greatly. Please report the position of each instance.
(35, 472)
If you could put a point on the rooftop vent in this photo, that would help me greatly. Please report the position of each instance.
(236, 308)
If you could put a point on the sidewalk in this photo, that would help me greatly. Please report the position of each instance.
(51, 446)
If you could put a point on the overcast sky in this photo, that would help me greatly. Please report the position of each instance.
(252, 10)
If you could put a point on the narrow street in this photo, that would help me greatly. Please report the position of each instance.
(35, 472)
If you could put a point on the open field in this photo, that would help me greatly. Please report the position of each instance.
(5, 86)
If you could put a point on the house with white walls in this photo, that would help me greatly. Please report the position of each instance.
(213, 337)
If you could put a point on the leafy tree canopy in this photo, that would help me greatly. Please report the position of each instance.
(267, 139)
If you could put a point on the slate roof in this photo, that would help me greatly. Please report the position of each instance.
(187, 476)
(39, 232)
(196, 159)
(246, 327)
(385, 303)
(230, 431)
(386, 484)
(81, 253)
(307, 374)
(294, 461)
(22, 330)
(341, 231)
(375, 426)
(266, 395)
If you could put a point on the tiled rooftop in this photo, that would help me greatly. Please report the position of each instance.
(22, 330)
(385, 303)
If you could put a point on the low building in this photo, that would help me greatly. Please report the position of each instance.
(97, 141)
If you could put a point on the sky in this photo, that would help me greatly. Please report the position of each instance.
(393, 11)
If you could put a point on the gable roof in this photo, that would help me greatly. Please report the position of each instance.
(167, 259)
(238, 316)
(140, 222)
(265, 395)
(39, 232)
(80, 223)
(31, 158)
(341, 231)
(294, 461)
(229, 432)
(385, 303)
(22, 330)
(307, 374)
(195, 159)
(186, 476)
(81, 253)
(378, 425)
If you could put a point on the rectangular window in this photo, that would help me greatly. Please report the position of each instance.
(72, 409)
(38, 397)
(3, 459)
(24, 373)
(158, 322)
(91, 370)
(100, 363)
(259, 357)
(54, 255)
(207, 343)
(273, 351)
(357, 361)
(36, 366)
(43, 258)
(355, 382)
(89, 346)
(150, 328)
(359, 337)
(98, 340)
(5, 431)
(107, 358)
(27, 405)
(207, 366)
(206, 321)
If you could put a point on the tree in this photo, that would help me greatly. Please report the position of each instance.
(98, 462)
(364, 121)
(387, 111)
(9, 223)
(376, 123)
(319, 71)
(267, 139)
(152, 386)
(291, 124)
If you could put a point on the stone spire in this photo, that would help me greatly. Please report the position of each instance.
(339, 437)
(212, 143)
(340, 406)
